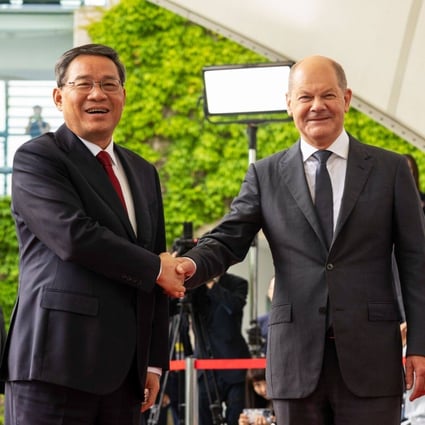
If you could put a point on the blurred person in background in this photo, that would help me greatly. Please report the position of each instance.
(413, 165)
(36, 125)
(256, 400)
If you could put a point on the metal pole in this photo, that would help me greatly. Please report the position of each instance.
(253, 252)
(191, 390)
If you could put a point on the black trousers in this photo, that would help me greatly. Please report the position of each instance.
(332, 403)
(40, 403)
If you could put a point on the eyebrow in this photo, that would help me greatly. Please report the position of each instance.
(89, 77)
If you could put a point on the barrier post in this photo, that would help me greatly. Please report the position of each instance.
(191, 393)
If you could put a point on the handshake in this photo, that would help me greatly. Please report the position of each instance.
(174, 272)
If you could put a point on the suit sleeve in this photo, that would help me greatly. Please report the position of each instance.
(229, 242)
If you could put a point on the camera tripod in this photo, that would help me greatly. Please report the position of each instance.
(180, 347)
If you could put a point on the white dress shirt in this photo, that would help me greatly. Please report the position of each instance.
(336, 165)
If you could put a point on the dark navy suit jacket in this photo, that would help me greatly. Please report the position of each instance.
(88, 305)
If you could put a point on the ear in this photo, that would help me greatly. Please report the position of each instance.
(57, 98)
(288, 105)
(347, 99)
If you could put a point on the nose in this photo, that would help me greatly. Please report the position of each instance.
(97, 84)
(97, 90)
(318, 103)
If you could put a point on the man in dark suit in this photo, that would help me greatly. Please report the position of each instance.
(88, 335)
(217, 311)
(334, 351)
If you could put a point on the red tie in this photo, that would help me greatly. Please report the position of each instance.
(106, 161)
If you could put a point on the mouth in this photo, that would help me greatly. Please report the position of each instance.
(94, 111)
(318, 119)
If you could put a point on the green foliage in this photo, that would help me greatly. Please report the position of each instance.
(1, 409)
(372, 133)
(9, 256)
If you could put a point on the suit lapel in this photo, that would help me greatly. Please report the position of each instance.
(134, 173)
(94, 173)
(292, 171)
(359, 166)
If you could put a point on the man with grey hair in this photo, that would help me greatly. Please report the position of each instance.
(89, 334)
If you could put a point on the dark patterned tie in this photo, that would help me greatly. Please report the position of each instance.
(104, 158)
(323, 195)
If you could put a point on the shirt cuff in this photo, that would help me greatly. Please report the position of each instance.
(156, 370)
(194, 264)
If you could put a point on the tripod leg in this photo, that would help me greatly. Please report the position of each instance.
(209, 379)
(175, 329)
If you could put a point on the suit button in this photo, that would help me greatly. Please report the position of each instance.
(329, 266)
(322, 310)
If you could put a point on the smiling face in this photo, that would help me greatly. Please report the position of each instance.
(317, 101)
(92, 116)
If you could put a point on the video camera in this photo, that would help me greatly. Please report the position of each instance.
(186, 242)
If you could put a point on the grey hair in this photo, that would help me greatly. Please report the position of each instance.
(63, 62)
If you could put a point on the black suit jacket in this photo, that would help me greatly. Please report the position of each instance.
(88, 305)
(380, 211)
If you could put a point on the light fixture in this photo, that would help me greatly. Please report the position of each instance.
(246, 93)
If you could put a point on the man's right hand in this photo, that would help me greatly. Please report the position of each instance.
(170, 280)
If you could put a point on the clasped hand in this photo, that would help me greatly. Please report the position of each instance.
(415, 376)
(174, 271)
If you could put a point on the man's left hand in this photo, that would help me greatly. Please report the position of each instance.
(415, 376)
(151, 390)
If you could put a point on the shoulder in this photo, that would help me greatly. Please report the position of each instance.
(132, 157)
(389, 162)
(373, 151)
(272, 165)
(42, 145)
(276, 158)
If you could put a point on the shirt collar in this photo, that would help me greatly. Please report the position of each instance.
(339, 147)
(95, 149)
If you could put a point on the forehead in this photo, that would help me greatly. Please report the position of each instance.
(315, 76)
(92, 66)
